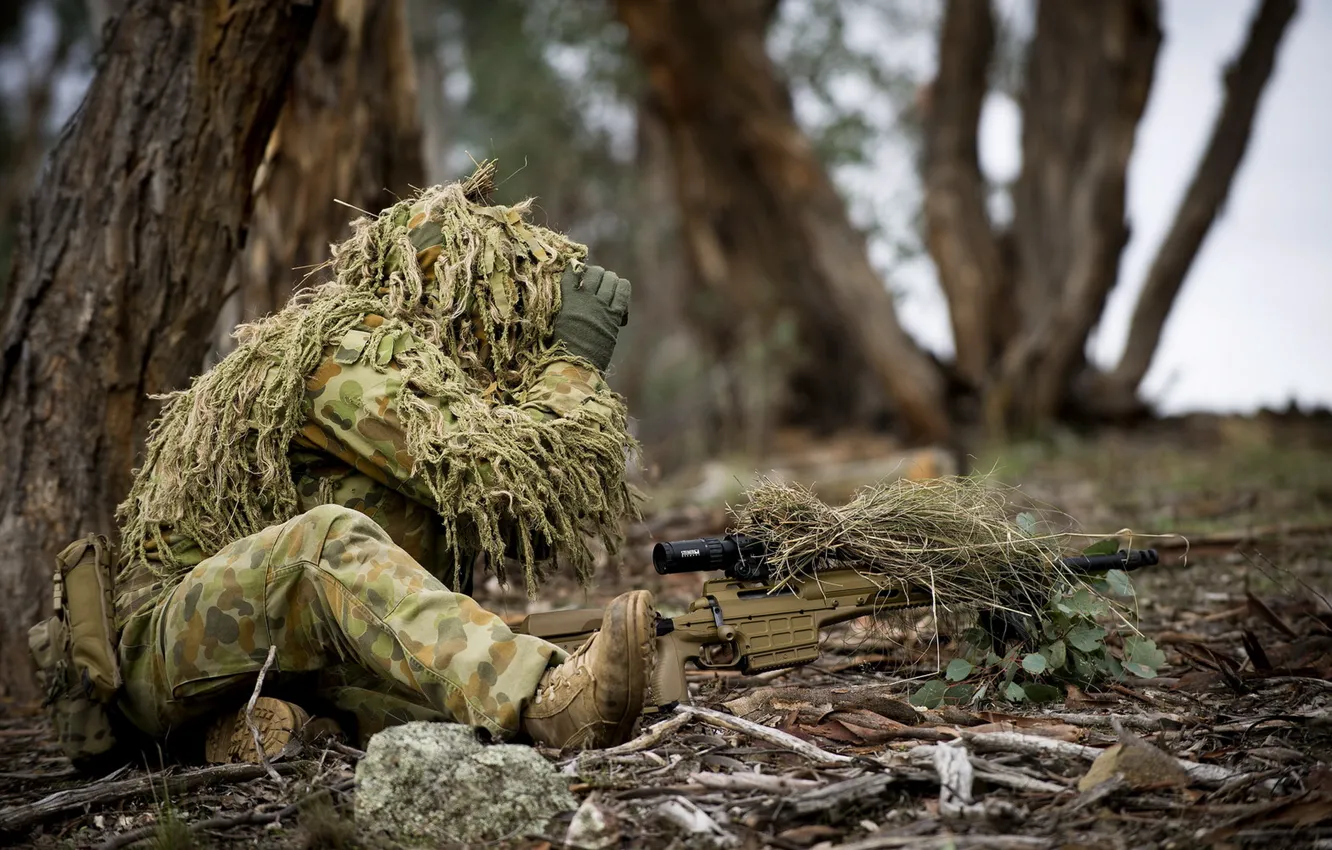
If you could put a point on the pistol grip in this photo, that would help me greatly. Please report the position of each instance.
(668, 685)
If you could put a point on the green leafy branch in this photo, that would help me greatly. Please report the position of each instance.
(1066, 645)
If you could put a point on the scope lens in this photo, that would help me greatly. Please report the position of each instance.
(686, 556)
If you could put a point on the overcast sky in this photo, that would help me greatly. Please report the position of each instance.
(1253, 325)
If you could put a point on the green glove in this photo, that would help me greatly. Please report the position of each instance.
(594, 305)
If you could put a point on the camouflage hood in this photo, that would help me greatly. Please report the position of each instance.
(480, 284)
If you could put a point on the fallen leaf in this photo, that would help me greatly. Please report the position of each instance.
(1142, 766)
(834, 731)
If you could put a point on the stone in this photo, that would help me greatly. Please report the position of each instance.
(423, 784)
(592, 827)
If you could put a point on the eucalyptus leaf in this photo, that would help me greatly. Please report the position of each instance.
(1142, 671)
(1014, 692)
(1083, 601)
(1119, 582)
(930, 694)
(1112, 667)
(958, 669)
(1143, 651)
(1027, 522)
(1108, 546)
(1085, 668)
(1086, 638)
(1057, 654)
(976, 636)
(1035, 663)
(959, 694)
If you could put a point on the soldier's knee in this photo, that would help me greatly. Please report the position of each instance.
(307, 536)
(350, 522)
(338, 519)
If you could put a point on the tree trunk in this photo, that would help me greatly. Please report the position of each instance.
(960, 236)
(1088, 75)
(348, 131)
(1245, 80)
(119, 270)
(769, 239)
(1024, 302)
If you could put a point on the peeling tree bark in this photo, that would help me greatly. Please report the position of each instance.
(1245, 80)
(349, 131)
(768, 236)
(119, 270)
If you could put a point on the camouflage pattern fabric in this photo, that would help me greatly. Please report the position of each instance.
(352, 450)
(380, 604)
(332, 591)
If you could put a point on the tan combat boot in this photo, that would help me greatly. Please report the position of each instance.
(230, 739)
(594, 697)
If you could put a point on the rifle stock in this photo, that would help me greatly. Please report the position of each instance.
(750, 626)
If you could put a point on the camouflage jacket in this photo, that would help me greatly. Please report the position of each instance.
(351, 450)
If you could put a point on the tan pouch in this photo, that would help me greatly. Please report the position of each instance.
(75, 650)
(84, 586)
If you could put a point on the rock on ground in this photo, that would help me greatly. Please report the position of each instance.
(427, 783)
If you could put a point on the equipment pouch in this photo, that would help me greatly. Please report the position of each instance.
(75, 650)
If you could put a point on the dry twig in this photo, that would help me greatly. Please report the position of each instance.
(767, 734)
(249, 715)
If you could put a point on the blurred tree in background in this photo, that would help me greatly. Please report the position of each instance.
(45, 61)
(349, 130)
(1024, 295)
(559, 92)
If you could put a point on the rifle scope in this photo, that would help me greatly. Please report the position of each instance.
(741, 557)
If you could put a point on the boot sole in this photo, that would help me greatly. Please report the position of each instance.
(639, 657)
(230, 739)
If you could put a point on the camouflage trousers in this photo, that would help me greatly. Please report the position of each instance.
(358, 626)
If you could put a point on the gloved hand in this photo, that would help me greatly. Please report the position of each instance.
(594, 305)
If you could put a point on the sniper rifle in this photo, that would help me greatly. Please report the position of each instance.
(746, 621)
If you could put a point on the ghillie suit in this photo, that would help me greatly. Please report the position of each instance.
(325, 488)
(461, 296)
(954, 536)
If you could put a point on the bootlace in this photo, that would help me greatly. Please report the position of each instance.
(566, 671)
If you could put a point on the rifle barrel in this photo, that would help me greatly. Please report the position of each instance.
(1124, 559)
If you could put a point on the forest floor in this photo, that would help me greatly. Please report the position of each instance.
(1230, 746)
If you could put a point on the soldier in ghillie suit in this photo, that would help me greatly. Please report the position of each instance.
(327, 487)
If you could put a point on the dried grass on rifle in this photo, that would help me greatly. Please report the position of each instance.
(955, 536)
